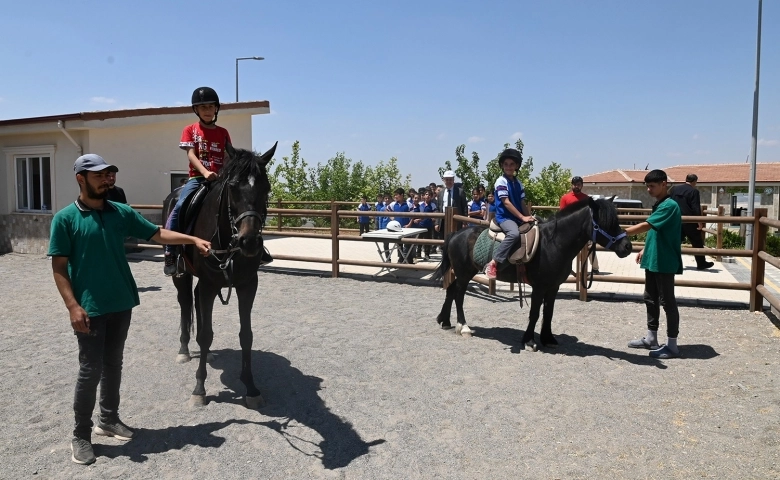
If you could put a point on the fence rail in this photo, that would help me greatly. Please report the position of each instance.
(759, 257)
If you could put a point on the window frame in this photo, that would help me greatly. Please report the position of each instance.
(28, 152)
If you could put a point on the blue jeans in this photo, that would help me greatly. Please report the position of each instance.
(512, 232)
(173, 220)
(100, 361)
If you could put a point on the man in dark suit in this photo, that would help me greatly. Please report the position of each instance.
(451, 196)
(687, 197)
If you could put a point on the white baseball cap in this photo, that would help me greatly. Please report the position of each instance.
(448, 174)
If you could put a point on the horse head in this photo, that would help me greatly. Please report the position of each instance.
(247, 185)
(606, 227)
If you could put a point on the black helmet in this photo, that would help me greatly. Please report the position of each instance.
(576, 179)
(205, 96)
(510, 153)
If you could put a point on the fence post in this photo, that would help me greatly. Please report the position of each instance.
(758, 264)
(334, 235)
(719, 239)
(449, 227)
(581, 259)
(279, 221)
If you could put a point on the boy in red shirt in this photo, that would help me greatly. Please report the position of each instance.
(205, 144)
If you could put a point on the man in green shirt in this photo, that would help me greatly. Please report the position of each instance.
(662, 260)
(94, 279)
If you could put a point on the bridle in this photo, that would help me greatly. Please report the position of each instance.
(225, 263)
(611, 242)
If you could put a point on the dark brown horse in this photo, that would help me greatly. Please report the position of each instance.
(232, 218)
(561, 238)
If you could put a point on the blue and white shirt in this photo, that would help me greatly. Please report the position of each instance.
(512, 189)
(364, 208)
(477, 206)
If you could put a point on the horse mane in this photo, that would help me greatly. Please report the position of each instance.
(604, 213)
(242, 165)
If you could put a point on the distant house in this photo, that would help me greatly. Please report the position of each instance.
(38, 178)
(718, 184)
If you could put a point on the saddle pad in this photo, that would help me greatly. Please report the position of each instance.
(484, 248)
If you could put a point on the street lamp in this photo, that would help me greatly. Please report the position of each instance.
(243, 58)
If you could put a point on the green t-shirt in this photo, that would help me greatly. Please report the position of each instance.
(662, 247)
(93, 241)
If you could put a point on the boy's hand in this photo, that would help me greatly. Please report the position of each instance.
(203, 246)
(639, 256)
(211, 176)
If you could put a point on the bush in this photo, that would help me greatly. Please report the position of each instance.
(731, 240)
(773, 245)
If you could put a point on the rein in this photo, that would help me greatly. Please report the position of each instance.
(611, 241)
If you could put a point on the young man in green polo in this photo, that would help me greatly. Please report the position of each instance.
(662, 260)
(94, 279)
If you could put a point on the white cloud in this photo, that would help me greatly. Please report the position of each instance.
(768, 143)
(695, 136)
(441, 136)
(2, 99)
(475, 139)
(701, 152)
(145, 105)
(516, 136)
(102, 100)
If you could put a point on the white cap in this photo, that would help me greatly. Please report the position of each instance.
(448, 174)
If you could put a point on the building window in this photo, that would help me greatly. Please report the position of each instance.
(33, 184)
(32, 177)
(178, 179)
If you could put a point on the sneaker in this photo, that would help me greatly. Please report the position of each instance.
(705, 266)
(643, 343)
(115, 429)
(490, 269)
(664, 352)
(170, 266)
(596, 271)
(82, 452)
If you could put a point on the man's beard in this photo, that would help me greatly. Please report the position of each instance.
(93, 194)
(576, 190)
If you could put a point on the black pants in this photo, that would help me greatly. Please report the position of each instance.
(363, 228)
(100, 361)
(693, 235)
(659, 292)
(425, 248)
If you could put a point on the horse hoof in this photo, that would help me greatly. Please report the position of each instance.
(183, 358)
(532, 345)
(198, 401)
(255, 402)
(463, 330)
(446, 326)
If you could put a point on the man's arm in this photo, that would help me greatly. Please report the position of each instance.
(78, 316)
(170, 237)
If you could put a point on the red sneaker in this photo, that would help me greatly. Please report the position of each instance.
(490, 269)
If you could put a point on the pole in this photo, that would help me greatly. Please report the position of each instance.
(754, 139)
(236, 80)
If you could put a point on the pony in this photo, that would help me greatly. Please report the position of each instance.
(231, 216)
(561, 238)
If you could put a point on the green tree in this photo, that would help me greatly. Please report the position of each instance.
(289, 180)
(467, 170)
(549, 186)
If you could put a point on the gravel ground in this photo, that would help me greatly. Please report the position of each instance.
(361, 383)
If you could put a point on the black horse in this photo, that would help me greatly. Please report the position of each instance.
(231, 217)
(561, 237)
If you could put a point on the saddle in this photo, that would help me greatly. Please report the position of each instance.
(528, 241)
(190, 208)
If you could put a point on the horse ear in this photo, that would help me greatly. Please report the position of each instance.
(230, 150)
(268, 155)
(612, 198)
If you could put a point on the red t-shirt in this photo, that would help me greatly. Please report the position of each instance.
(572, 197)
(209, 145)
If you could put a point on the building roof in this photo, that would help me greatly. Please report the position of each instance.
(130, 113)
(712, 173)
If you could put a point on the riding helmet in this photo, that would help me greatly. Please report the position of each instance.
(204, 95)
(512, 153)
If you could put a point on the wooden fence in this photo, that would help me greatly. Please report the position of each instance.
(335, 212)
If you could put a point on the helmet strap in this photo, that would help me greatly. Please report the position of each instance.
(216, 114)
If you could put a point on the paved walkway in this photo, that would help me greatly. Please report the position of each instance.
(608, 262)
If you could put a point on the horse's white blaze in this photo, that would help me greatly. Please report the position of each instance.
(251, 180)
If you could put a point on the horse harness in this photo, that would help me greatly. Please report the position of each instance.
(592, 250)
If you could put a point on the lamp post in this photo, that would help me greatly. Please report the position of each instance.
(243, 58)
(754, 140)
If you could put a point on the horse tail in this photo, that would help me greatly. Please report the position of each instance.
(444, 266)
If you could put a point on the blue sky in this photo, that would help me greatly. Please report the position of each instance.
(591, 85)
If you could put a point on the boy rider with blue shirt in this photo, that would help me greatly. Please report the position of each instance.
(511, 210)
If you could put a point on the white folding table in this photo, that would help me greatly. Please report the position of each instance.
(384, 235)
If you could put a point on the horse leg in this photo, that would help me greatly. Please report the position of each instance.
(204, 304)
(461, 328)
(184, 296)
(537, 299)
(246, 297)
(546, 336)
(444, 316)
